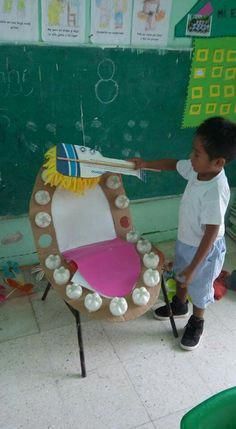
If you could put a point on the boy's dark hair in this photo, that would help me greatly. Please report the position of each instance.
(219, 138)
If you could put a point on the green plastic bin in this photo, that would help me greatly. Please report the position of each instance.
(217, 412)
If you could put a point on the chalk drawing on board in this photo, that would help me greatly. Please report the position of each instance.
(87, 139)
(96, 123)
(128, 137)
(2, 183)
(131, 123)
(14, 83)
(13, 78)
(3, 85)
(31, 146)
(143, 124)
(126, 152)
(31, 126)
(4, 118)
(82, 120)
(40, 74)
(52, 128)
(106, 84)
(78, 126)
(27, 87)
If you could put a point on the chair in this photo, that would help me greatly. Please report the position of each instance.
(216, 412)
(78, 228)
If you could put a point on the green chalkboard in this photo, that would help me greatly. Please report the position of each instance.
(131, 102)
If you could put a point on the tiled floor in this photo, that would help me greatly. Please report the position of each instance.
(138, 377)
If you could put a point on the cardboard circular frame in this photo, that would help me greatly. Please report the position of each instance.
(133, 311)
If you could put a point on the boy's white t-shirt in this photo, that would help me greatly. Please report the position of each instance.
(203, 203)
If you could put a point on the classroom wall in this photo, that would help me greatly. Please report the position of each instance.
(156, 218)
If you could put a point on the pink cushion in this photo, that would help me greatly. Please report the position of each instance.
(111, 267)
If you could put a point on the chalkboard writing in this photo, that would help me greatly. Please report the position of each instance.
(124, 103)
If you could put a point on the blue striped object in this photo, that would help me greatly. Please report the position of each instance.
(66, 167)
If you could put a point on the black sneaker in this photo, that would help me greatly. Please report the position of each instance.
(192, 334)
(179, 310)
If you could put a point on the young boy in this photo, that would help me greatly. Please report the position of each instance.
(200, 247)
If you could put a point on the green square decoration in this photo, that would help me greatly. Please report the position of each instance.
(217, 94)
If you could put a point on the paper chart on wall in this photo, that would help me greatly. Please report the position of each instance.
(63, 20)
(151, 22)
(111, 21)
(17, 20)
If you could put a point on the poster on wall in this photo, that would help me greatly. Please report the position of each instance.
(63, 21)
(199, 25)
(19, 20)
(111, 21)
(208, 18)
(151, 22)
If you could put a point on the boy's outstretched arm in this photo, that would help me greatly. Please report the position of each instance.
(205, 246)
(161, 164)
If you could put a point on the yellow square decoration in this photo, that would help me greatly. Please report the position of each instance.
(229, 91)
(214, 90)
(199, 72)
(195, 109)
(197, 92)
(202, 54)
(217, 71)
(231, 55)
(211, 107)
(225, 109)
(218, 56)
(230, 73)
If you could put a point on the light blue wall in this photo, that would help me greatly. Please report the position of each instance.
(155, 218)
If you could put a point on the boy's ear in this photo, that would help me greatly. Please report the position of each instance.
(220, 162)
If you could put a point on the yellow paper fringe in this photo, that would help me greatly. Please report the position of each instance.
(74, 184)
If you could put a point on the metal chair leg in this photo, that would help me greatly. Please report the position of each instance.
(80, 342)
(76, 314)
(172, 321)
(48, 287)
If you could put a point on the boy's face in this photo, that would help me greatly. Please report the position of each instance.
(201, 162)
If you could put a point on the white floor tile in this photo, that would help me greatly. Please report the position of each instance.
(215, 359)
(170, 422)
(105, 399)
(36, 408)
(137, 376)
(146, 426)
(61, 346)
(166, 382)
(51, 313)
(17, 318)
(25, 364)
(141, 336)
(224, 310)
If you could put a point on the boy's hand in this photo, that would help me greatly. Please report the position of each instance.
(138, 163)
(185, 277)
